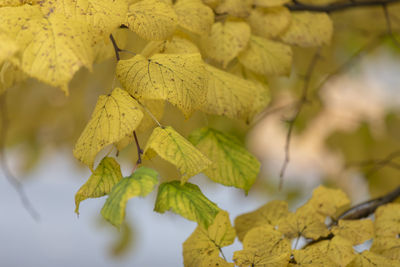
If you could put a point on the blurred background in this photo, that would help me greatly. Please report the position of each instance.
(347, 135)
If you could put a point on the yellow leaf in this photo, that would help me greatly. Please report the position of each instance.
(101, 16)
(269, 22)
(194, 16)
(338, 249)
(387, 246)
(232, 164)
(186, 200)
(115, 116)
(312, 257)
(100, 183)
(152, 19)
(356, 231)
(328, 201)
(176, 45)
(174, 148)
(214, 261)
(203, 245)
(232, 96)
(271, 3)
(263, 246)
(271, 213)
(304, 222)
(52, 47)
(212, 3)
(5, 3)
(309, 29)
(225, 41)
(370, 259)
(104, 49)
(267, 57)
(237, 8)
(387, 220)
(179, 79)
(140, 183)
(7, 47)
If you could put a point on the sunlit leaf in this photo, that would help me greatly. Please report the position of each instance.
(263, 246)
(115, 116)
(174, 148)
(194, 16)
(309, 29)
(186, 200)
(7, 47)
(139, 184)
(52, 47)
(387, 220)
(100, 183)
(312, 257)
(179, 79)
(357, 231)
(205, 244)
(370, 259)
(329, 201)
(271, 213)
(237, 8)
(225, 41)
(269, 22)
(267, 57)
(152, 19)
(232, 96)
(339, 250)
(232, 164)
(176, 45)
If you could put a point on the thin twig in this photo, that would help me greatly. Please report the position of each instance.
(389, 26)
(139, 150)
(15, 183)
(379, 163)
(337, 6)
(303, 100)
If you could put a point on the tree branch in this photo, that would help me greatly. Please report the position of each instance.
(4, 165)
(339, 6)
(303, 100)
(389, 26)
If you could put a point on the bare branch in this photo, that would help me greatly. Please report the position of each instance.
(303, 100)
(389, 26)
(16, 184)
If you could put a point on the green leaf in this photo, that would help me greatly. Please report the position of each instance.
(232, 164)
(186, 200)
(100, 183)
(140, 183)
(174, 148)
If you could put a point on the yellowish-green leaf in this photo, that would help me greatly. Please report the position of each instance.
(194, 16)
(225, 41)
(176, 45)
(188, 201)
(370, 259)
(263, 246)
(338, 249)
(304, 222)
(328, 201)
(356, 231)
(309, 29)
(115, 116)
(232, 164)
(100, 183)
(387, 246)
(271, 213)
(267, 57)
(237, 8)
(312, 257)
(269, 22)
(139, 184)
(179, 79)
(270, 3)
(387, 220)
(205, 244)
(232, 96)
(174, 148)
(52, 47)
(152, 19)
